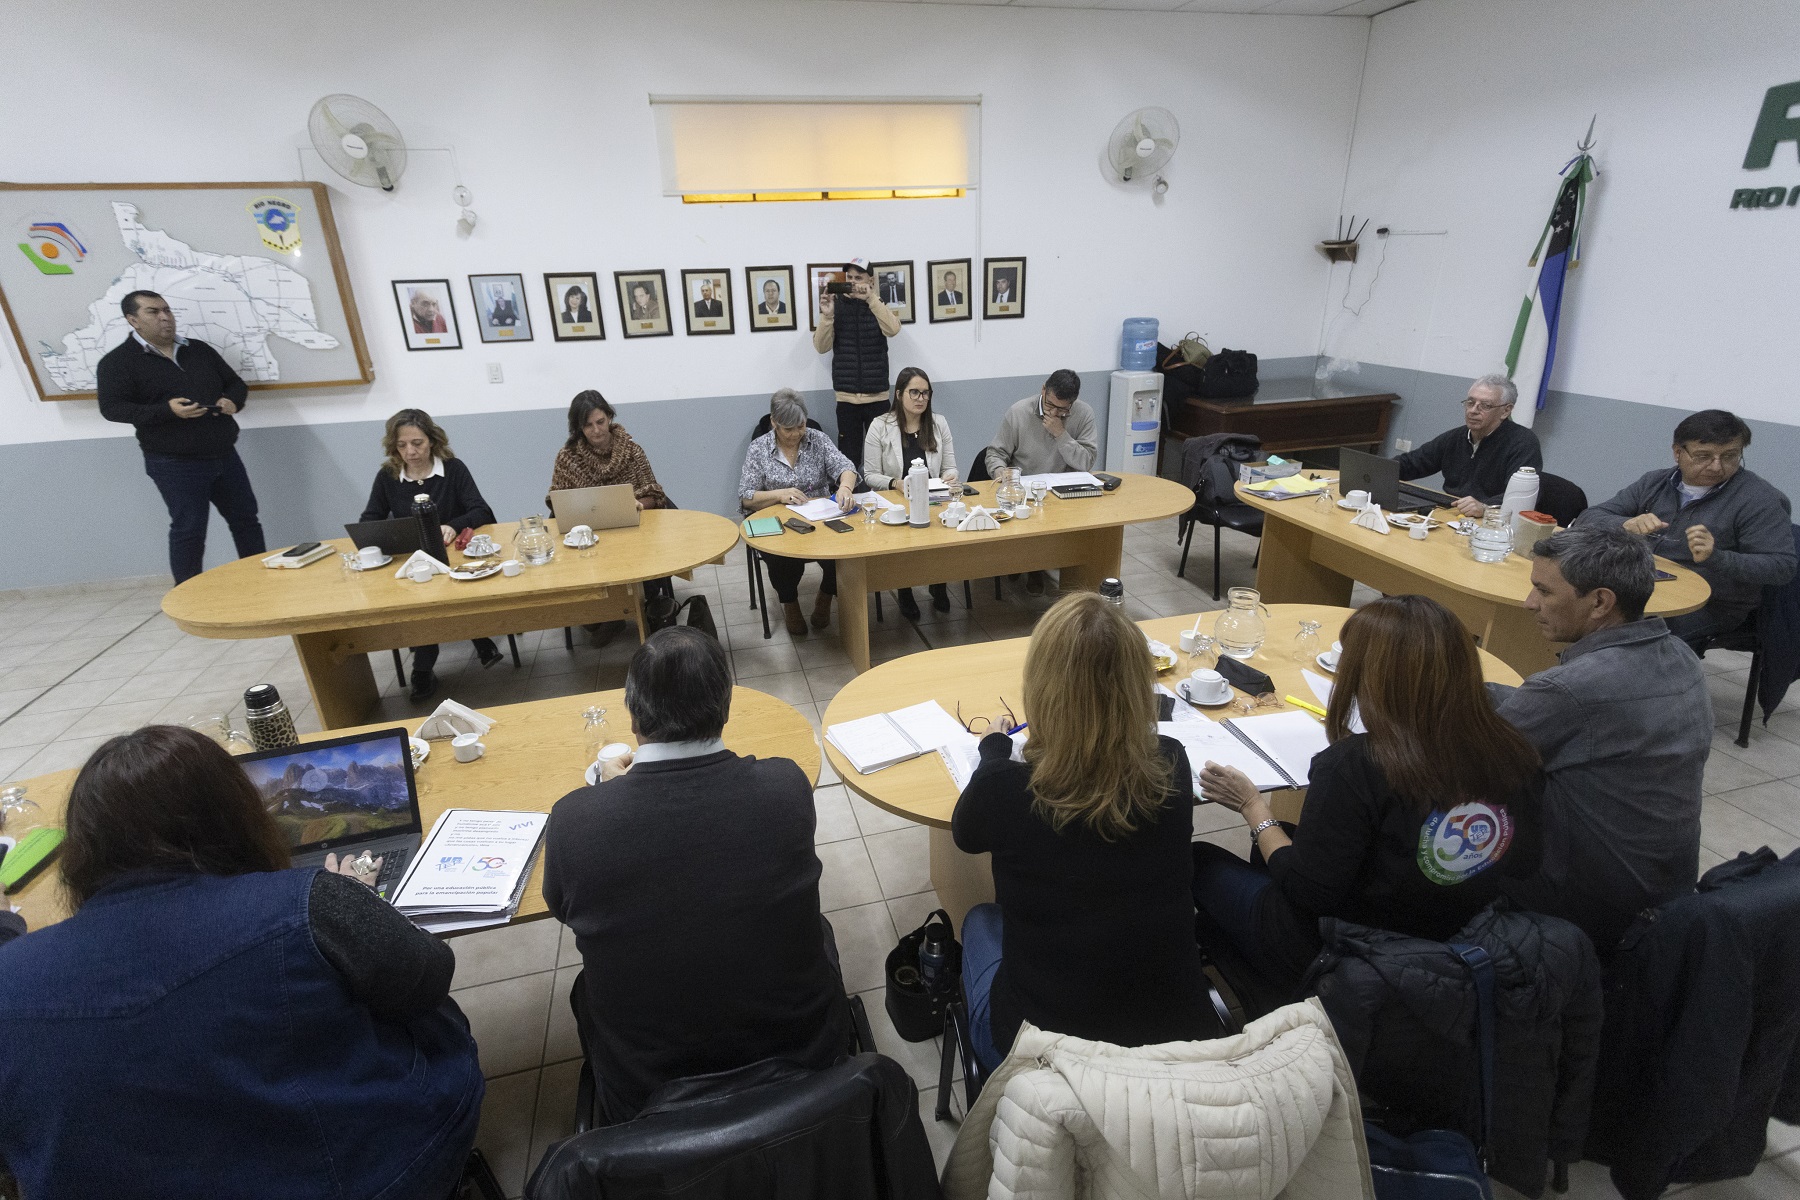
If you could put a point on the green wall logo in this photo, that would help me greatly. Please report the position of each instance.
(1774, 125)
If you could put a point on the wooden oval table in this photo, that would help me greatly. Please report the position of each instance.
(1083, 538)
(536, 754)
(979, 676)
(1313, 555)
(337, 617)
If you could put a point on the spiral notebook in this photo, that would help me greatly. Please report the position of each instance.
(871, 743)
(1275, 750)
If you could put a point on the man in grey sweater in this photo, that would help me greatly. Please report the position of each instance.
(1730, 525)
(1050, 432)
(1624, 725)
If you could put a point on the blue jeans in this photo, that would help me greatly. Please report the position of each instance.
(190, 487)
(981, 936)
(1238, 899)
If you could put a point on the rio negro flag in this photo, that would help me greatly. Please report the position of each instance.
(1533, 350)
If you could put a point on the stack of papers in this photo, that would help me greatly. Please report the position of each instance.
(1288, 487)
(871, 743)
(471, 869)
(823, 509)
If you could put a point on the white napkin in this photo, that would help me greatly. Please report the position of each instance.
(451, 719)
(1371, 518)
(979, 518)
(419, 556)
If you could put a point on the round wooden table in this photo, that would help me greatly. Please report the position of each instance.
(337, 617)
(536, 753)
(1084, 538)
(979, 676)
(1313, 555)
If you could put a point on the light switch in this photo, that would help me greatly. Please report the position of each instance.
(494, 375)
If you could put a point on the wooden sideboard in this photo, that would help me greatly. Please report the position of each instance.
(1288, 417)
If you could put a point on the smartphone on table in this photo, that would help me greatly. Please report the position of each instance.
(837, 526)
(797, 525)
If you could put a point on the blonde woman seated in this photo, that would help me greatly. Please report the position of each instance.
(1090, 836)
(910, 430)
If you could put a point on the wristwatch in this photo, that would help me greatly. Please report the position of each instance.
(1257, 830)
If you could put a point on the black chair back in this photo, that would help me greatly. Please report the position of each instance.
(978, 470)
(1560, 498)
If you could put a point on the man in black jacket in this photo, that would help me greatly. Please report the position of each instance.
(1481, 454)
(854, 330)
(180, 395)
(693, 890)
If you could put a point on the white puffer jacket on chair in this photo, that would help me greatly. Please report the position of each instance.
(1271, 1112)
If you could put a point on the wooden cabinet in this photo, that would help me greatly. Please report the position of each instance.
(1289, 422)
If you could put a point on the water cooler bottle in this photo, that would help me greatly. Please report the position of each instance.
(1134, 422)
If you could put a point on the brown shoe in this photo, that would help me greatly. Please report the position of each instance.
(821, 611)
(790, 612)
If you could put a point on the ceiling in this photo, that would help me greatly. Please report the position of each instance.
(1315, 8)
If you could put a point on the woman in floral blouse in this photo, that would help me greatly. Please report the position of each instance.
(792, 464)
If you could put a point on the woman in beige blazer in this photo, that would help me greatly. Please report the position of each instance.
(909, 430)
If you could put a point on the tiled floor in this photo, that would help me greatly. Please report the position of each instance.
(80, 664)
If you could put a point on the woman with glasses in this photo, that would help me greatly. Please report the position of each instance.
(789, 465)
(910, 430)
(1090, 838)
(1404, 823)
(211, 1022)
(1480, 455)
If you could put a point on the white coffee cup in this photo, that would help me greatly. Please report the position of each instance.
(511, 567)
(1021, 512)
(467, 747)
(1205, 687)
(1187, 641)
(581, 535)
(1417, 532)
(420, 573)
(1357, 498)
(480, 546)
(369, 556)
(1331, 656)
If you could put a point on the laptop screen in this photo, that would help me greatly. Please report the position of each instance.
(338, 792)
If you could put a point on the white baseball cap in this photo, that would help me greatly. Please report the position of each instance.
(861, 264)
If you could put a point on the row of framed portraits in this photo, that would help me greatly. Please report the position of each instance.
(428, 312)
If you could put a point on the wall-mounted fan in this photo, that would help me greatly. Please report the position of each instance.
(357, 140)
(1142, 145)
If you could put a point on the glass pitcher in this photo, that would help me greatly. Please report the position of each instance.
(1241, 629)
(1492, 540)
(1009, 489)
(536, 546)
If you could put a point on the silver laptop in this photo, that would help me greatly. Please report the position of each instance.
(343, 796)
(610, 507)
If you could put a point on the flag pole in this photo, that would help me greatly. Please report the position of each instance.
(1531, 355)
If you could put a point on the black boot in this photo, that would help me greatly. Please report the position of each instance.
(909, 607)
(940, 597)
(487, 653)
(424, 685)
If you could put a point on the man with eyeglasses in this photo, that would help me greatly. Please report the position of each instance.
(1730, 525)
(1481, 454)
(1050, 432)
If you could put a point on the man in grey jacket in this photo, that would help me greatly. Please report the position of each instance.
(1624, 725)
(1730, 525)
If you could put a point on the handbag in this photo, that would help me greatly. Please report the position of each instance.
(1442, 1164)
(660, 612)
(916, 1011)
(1228, 375)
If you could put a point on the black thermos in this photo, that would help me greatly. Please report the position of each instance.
(431, 530)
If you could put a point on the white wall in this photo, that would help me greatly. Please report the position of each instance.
(1469, 110)
(545, 102)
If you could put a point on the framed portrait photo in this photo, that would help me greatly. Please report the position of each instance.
(500, 311)
(574, 298)
(817, 276)
(949, 279)
(643, 304)
(706, 301)
(1003, 290)
(426, 314)
(771, 294)
(894, 285)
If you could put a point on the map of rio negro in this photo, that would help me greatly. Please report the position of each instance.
(233, 302)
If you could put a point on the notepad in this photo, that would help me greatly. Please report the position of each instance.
(873, 743)
(1288, 740)
(1211, 741)
(471, 869)
(762, 526)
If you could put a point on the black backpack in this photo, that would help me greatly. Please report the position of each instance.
(1228, 375)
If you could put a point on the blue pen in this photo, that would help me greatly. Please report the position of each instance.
(1019, 728)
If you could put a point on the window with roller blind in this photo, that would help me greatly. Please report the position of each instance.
(737, 148)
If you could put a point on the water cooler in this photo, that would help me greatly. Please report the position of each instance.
(1134, 422)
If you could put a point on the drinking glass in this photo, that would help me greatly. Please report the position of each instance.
(1037, 490)
(871, 510)
(17, 814)
(1306, 643)
(217, 726)
(595, 733)
(350, 565)
(1204, 653)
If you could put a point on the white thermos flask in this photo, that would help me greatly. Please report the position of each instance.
(1521, 494)
(918, 495)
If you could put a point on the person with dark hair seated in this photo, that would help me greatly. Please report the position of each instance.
(210, 1022)
(689, 879)
(1049, 433)
(1624, 724)
(1091, 932)
(1423, 792)
(1728, 524)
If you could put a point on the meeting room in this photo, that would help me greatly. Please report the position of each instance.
(818, 598)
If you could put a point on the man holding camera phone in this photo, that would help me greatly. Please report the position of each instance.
(180, 396)
(854, 328)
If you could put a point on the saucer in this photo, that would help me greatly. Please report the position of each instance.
(1002, 516)
(464, 573)
(421, 750)
(469, 551)
(1410, 519)
(574, 546)
(894, 516)
(1181, 689)
(385, 560)
(1325, 666)
(1347, 505)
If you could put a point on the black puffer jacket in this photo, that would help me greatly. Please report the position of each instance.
(1702, 1039)
(859, 350)
(1404, 1009)
(1209, 464)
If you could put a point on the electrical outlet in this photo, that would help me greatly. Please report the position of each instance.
(494, 375)
(1402, 445)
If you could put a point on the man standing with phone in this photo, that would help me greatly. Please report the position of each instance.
(854, 328)
(180, 396)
